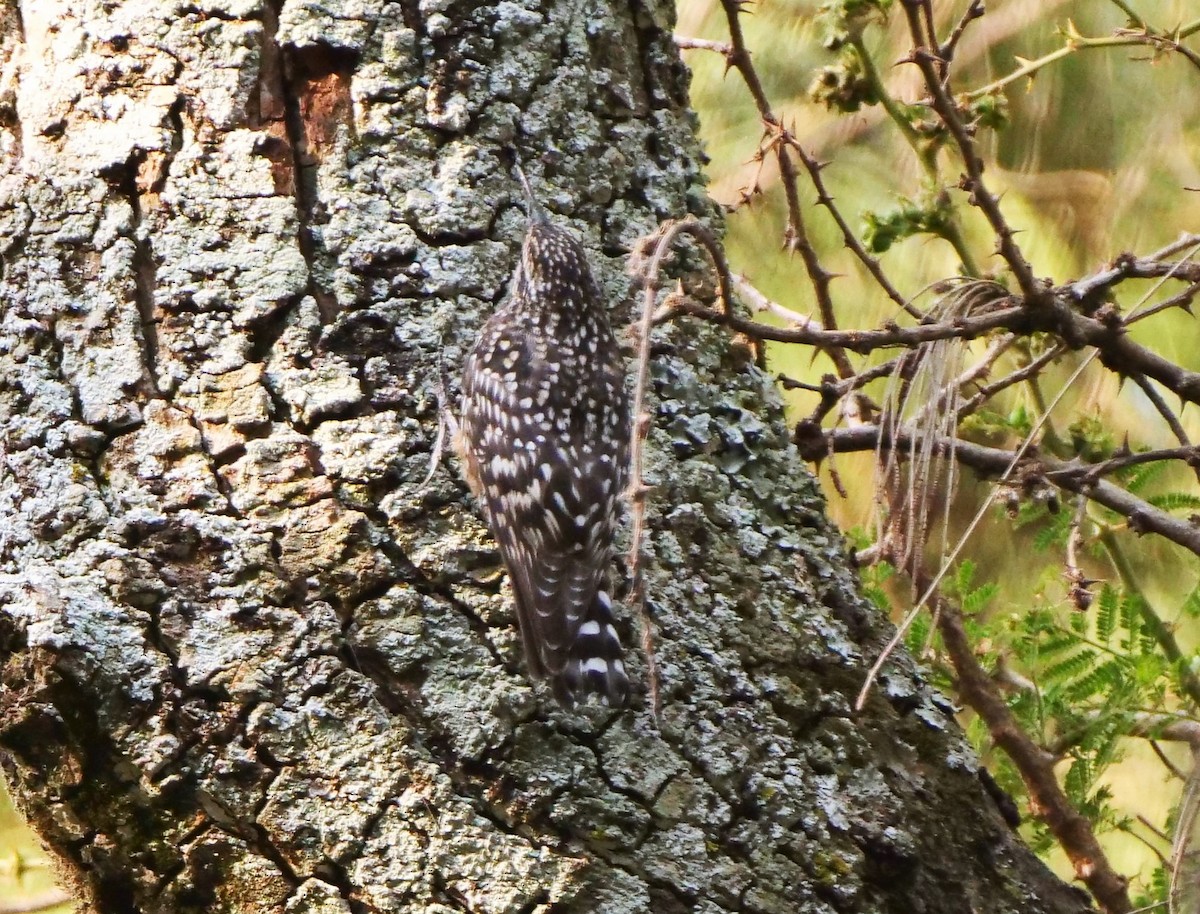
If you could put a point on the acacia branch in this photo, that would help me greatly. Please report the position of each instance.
(1169, 417)
(703, 44)
(925, 57)
(872, 265)
(1141, 516)
(1116, 350)
(1050, 804)
(780, 141)
(974, 11)
(1030, 370)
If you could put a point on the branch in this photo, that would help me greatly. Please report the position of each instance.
(970, 14)
(924, 57)
(989, 461)
(1115, 349)
(813, 167)
(1072, 830)
(1169, 417)
(703, 44)
(780, 140)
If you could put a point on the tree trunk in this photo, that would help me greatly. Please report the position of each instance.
(249, 663)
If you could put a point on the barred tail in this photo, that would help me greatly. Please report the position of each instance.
(594, 663)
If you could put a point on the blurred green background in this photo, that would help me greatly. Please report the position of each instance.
(1100, 151)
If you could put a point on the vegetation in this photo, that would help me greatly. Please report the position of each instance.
(945, 177)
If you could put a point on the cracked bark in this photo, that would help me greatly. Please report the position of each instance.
(246, 663)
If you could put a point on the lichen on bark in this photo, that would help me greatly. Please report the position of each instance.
(249, 662)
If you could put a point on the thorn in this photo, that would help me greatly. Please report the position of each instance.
(446, 421)
(435, 458)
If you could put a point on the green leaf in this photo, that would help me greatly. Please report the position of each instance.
(1191, 603)
(1056, 644)
(1106, 613)
(1068, 669)
(1175, 501)
(978, 598)
(1105, 678)
(1131, 618)
(963, 576)
(1141, 476)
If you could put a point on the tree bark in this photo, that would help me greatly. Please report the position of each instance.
(248, 662)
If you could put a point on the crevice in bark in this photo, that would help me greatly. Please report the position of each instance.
(666, 898)
(333, 873)
(265, 333)
(19, 19)
(451, 239)
(314, 86)
(645, 43)
(209, 12)
(136, 178)
(449, 896)
(410, 11)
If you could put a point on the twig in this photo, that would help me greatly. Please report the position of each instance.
(657, 248)
(1182, 849)
(703, 44)
(1154, 266)
(924, 56)
(1170, 418)
(1181, 300)
(1078, 592)
(759, 302)
(1162, 858)
(1115, 349)
(1032, 369)
(778, 140)
(1167, 763)
(1170, 727)
(813, 167)
(950, 45)
(863, 341)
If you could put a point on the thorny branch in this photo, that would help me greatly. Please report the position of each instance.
(1043, 323)
(646, 265)
(779, 140)
(1082, 479)
(1072, 829)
